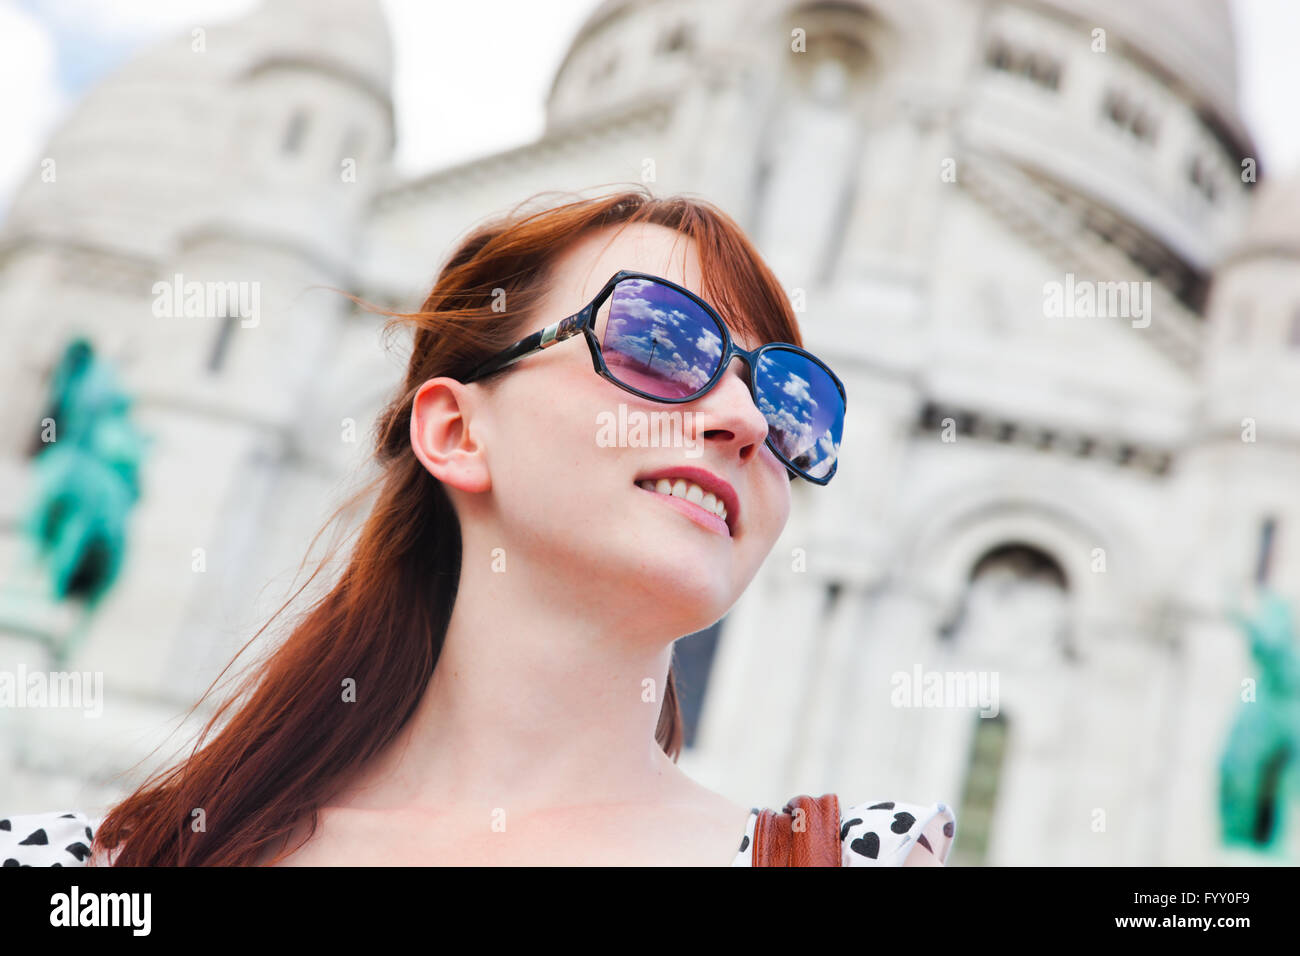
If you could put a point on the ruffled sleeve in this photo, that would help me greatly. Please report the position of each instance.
(891, 833)
(46, 839)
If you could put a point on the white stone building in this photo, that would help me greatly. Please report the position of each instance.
(1065, 503)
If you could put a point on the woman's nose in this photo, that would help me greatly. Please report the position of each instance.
(730, 407)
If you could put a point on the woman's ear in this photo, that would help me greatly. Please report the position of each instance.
(446, 435)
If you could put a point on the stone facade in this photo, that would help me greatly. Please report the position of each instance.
(1063, 501)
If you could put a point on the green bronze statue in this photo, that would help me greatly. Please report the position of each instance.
(1259, 773)
(87, 481)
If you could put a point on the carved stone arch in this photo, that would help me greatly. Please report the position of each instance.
(951, 537)
(1017, 601)
(846, 34)
(886, 29)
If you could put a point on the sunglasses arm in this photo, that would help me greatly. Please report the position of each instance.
(544, 339)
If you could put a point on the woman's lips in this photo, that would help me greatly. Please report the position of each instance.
(705, 519)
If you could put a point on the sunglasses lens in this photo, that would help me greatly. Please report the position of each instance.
(804, 410)
(657, 340)
(663, 343)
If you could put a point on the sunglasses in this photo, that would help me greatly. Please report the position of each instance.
(663, 342)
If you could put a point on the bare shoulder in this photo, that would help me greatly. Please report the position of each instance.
(703, 829)
(706, 830)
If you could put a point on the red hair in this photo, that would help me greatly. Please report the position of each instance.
(288, 746)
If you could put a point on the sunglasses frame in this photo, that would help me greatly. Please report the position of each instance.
(584, 321)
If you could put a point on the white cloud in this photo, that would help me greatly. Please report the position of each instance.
(29, 63)
(471, 78)
(31, 103)
(1268, 32)
(139, 19)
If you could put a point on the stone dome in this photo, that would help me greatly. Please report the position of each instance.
(144, 142)
(1192, 41)
(352, 36)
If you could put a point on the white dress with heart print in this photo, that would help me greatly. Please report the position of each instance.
(872, 833)
(880, 833)
(46, 839)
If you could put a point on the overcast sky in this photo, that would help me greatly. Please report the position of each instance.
(470, 77)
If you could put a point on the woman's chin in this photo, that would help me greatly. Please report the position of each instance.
(685, 590)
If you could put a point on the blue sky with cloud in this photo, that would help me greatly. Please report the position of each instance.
(85, 47)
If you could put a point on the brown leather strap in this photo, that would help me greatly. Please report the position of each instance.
(805, 833)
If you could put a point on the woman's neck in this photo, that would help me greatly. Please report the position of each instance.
(531, 703)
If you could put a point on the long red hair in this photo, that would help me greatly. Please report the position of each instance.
(288, 746)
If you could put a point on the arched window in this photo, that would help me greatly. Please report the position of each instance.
(1200, 173)
(676, 39)
(1130, 116)
(1039, 67)
(1016, 602)
(221, 343)
(1014, 616)
(980, 793)
(295, 132)
(1264, 555)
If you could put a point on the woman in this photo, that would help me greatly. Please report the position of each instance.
(543, 568)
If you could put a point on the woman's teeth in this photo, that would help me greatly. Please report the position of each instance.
(681, 488)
